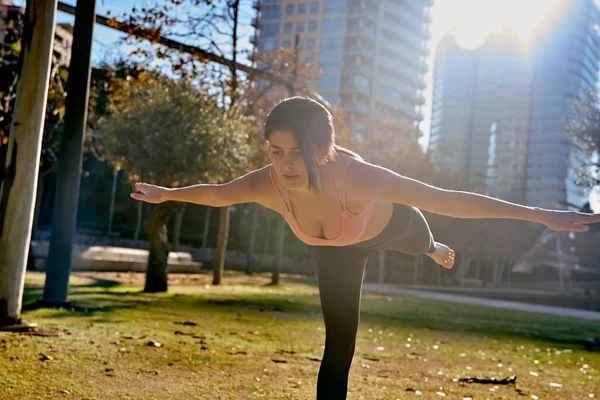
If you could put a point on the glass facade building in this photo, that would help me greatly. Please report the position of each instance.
(370, 56)
(499, 112)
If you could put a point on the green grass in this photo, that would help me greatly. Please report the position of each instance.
(253, 340)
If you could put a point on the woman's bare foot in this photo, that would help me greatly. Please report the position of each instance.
(443, 255)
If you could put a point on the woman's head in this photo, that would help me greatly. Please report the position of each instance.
(301, 138)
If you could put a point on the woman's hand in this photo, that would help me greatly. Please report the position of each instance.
(150, 193)
(568, 220)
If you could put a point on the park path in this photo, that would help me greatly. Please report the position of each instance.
(507, 305)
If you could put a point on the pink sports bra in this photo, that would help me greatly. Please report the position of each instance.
(353, 225)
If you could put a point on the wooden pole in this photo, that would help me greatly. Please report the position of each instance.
(18, 187)
(70, 156)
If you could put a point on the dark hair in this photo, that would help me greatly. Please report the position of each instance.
(311, 123)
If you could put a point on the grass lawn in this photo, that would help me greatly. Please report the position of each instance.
(246, 339)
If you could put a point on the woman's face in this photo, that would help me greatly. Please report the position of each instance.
(287, 160)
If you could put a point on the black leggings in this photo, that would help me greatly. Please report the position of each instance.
(340, 275)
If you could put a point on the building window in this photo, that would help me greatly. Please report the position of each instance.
(288, 28)
(289, 9)
(334, 43)
(266, 45)
(269, 30)
(329, 81)
(333, 25)
(287, 44)
(302, 8)
(310, 45)
(312, 26)
(300, 27)
(271, 12)
(334, 7)
(314, 7)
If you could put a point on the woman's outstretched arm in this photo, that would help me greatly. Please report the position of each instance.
(245, 189)
(388, 185)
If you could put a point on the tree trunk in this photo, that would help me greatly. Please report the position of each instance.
(19, 181)
(252, 241)
(267, 236)
(70, 157)
(156, 227)
(113, 194)
(138, 224)
(206, 226)
(177, 228)
(278, 259)
(381, 267)
(219, 261)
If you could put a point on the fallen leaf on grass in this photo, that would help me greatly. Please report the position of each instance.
(370, 358)
(187, 323)
(183, 333)
(556, 385)
(285, 352)
(152, 343)
(506, 381)
(44, 357)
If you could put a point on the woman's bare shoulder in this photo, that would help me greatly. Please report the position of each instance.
(260, 178)
(264, 192)
(365, 176)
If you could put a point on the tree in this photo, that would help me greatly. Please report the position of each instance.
(583, 130)
(173, 134)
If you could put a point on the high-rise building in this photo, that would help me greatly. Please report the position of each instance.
(11, 30)
(63, 40)
(370, 56)
(499, 111)
(566, 62)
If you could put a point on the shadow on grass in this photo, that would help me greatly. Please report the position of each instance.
(98, 298)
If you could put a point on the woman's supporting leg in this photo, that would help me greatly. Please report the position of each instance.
(340, 274)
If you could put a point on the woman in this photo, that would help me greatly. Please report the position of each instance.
(349, 209)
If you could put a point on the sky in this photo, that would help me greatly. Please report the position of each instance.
(472, 21)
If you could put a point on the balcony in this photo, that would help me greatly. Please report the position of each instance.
(368, 13)
(256, 4)
(349, 85)
(254, 39)
(356, 108)
(426, 33)
(363, 31)
(255, 22)
(360, 50)
(358, 69)
(423, 67)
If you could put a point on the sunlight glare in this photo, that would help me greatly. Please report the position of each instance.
(474, 20)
